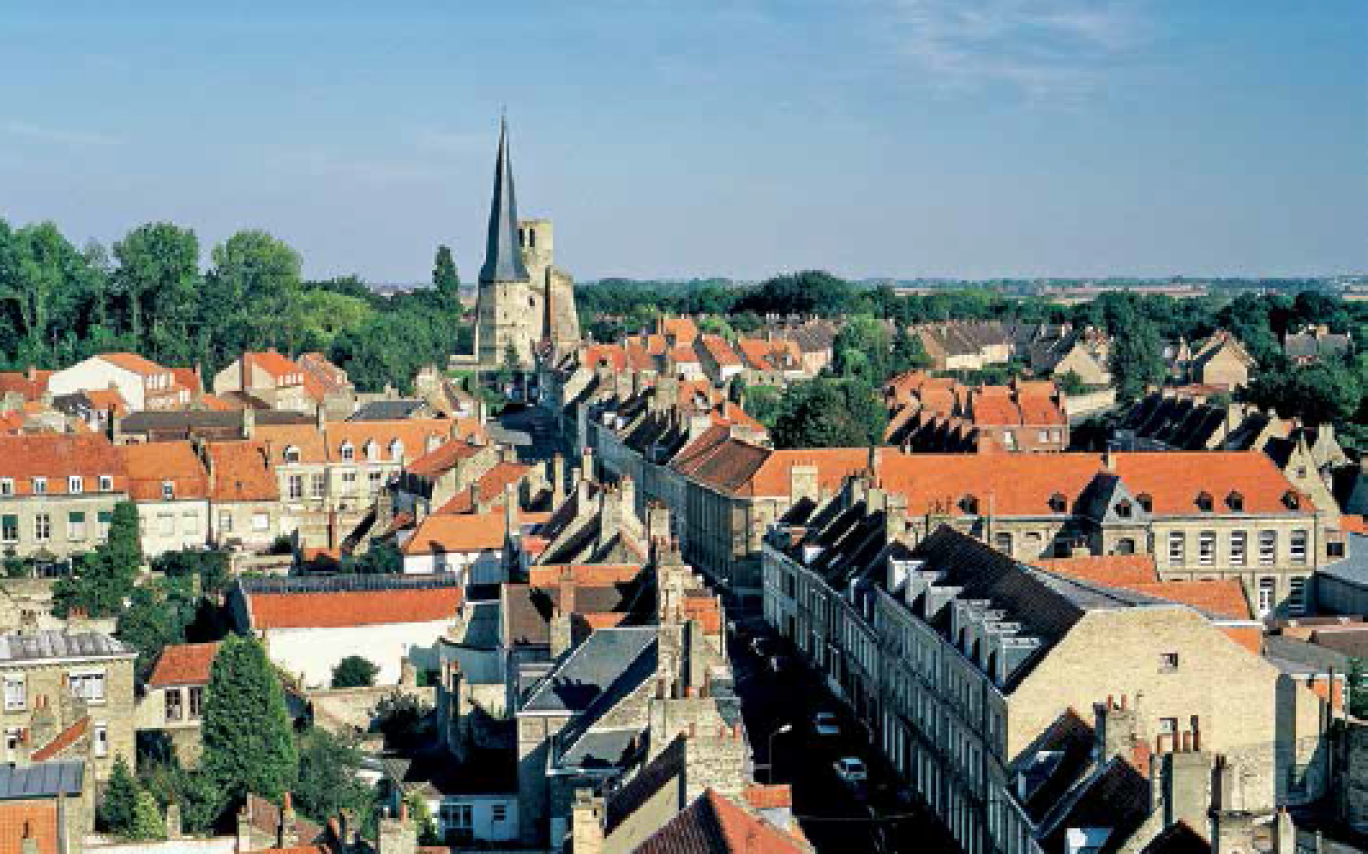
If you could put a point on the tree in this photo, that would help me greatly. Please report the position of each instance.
(158, 615)
(102, 580)
(329, 766)
(1072, 383)
(445, 279)
(158, 281)
(248, 740)
(380, 559)
(147, 821)
(120, 799)
(908, 352)
(422, 817)
(259, 276)
(354, 671)
(829, 413)
(861, 351)
(1137, 361)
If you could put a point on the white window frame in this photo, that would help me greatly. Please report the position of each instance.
(106, 483)
(101, 739)
(16, 692)
(40, 486)
(1296, 596)
(347, 451)
(6, 486)
(75, 484)
(77, 531)
(1177, 548)
(294, 487)
(1268, 595)
(1239, 548)
(1206, 548)
(42, 527)
(1268, 547)
(88, 685)
(1298, 545)
(168, 490)
(261, 521)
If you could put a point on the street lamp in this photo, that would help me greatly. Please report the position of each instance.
(780, 731)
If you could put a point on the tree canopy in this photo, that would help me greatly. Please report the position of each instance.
(248, 740)
(829, 413)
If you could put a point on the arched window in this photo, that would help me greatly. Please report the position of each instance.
(1058, 503)
(348, 450)
(1235, 501)
(291, 454)
(371, 450)
(1204, 502)
(396, 450)
(969, 504)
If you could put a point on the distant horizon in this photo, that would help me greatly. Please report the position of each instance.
(1058, 139)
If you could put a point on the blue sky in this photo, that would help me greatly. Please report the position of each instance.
(902, 138)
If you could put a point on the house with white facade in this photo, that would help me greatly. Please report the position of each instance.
(144, 384)
(169, 484)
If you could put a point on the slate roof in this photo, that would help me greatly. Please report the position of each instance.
(41, 780)
(503, 256)
(184, 424)
(53, 643)
(666, 766)
(387, 410)
(1297, 657)
(590, 669)
(1177, 838)
(1117, 798)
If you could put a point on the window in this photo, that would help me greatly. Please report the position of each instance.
(261, 522)
(225, 520)
(1239, 544)
(498, 813)
(1206, 548)
(371, 449)
(190, 522)
(376, 479)
(89, 685)
(106, 483)
(166, 524)
(42, 527)
(76, 527)
(1009, 440)
(40, 486)
(1177, 548)
(1058, 503)
(348, 451)
(396, 451)
(175, 710)
(349, 479)
(1297, 547)
(1296, 596)
(1168, 662)
(1123, 509)
(294, 486)
(1334, 550)
(1145, 501)
(168, 491)
(13, 738)
(1268, 548)
(291, 454)
(1235, 501)
(318, 485)
(9, 528)
(1268, 595)
(458, 822)
(16, 692)
(969, 504)
(6, 486)
(101, 740)
(75, 484)
(1204, 502)
(196, 702)
(1125, 546)
(1003, 542)
(1044, 436)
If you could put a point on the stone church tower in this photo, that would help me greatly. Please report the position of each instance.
(524, 300)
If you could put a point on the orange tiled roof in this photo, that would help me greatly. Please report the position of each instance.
(457, 532)
(353, 608)
(1111, 570)
(64, 740)
(105, 399)
(133, 363)
(188, 378)
(31, 384)
(412, 434)
(682, 328)
(774, 796)
(214, 403)
(184, 664)
(592, 575)
(35, 819)
(442, 458)
(490, 486)
(152, 465)
(1220, 598)
(242, 471)
(57, 457)
(720, 351)
(713, 824)
(1249, 637)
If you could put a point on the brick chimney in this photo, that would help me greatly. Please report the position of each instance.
(586, 822)
(287, 834)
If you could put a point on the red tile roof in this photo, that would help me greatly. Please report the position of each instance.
(152, 465)
(442, 459)
(184, 664)
(32, 819)
(490, 486)
(31, 384)
(1110, 570)
(599, 575)
(443, 533)
(105, 399)
(774, 796)
(63, 742)
(57, 457)
(1221, 598)
(242, 471)
(714, 825)
(720, 350)
(353, 608)
(134, 363)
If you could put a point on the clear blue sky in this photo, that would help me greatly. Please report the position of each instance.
(869, 137)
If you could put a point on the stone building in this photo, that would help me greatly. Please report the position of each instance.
(57, 493)
(67, 695)
(173, 702)
(524, 301)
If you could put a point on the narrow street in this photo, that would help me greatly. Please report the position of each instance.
(835, 816)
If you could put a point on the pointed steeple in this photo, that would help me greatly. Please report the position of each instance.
(503, 257)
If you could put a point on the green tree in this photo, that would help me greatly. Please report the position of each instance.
(354, 671)
(102, 580)
(259, 277)
(158, 614)
(147, 821)
(120, 799)
(444, 277)
(829, 413)
(329, 766)
(1072, 383)
(422, 817)
(1137, 360)
(248, 741)
(861, 351)
(380, 559)
(157, 283)
(908, 352)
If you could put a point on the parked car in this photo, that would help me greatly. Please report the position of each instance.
(825, 723)
(851, 770)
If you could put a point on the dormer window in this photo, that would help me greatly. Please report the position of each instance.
(1124, 509)
(6, 486)
(371, 449)
(75, 485)
(291, 454)
(1235, 501)
(106, 483)
(396, 450)
(40, 486)
(969, 504)
(1292, 500)
(168, 490)
(348, 451)
(1204, 502)
(1058, 503)
(1145, 501)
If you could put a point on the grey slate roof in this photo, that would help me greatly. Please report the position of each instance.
(590, 670)
(1293, 656)
(387, 410)
(52, 643)
(503, 257)
(44, 780)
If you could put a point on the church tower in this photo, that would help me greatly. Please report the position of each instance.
(524, 303)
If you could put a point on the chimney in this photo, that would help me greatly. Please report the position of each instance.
(397, 834)
(1117, 729)
(588, 472)
(803, 482)
(1187, 780)
(248, 422)
(320, 417)
(511, 509)
(557, 481)
(244, 372)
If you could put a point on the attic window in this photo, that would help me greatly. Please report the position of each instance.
(370, 449)
(1235, 501)
(1145, 501)
(396, 450)
(1124, 509)
(292, 454)
(969, 504)
(1292, 500)
(1204, 502)
(348, 451)
(1058, 503)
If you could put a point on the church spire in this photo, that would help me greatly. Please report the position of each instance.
(503, 256)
